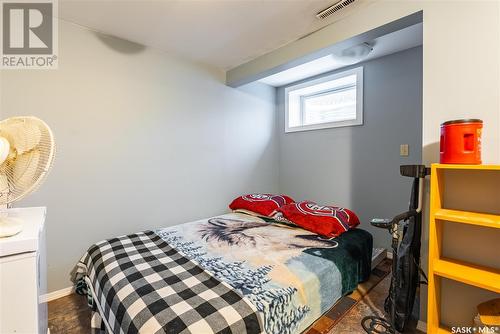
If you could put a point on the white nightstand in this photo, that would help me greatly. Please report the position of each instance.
(23, 275)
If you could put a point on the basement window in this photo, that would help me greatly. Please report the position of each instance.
(328, 102)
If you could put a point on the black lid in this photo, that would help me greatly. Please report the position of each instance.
(459, 121)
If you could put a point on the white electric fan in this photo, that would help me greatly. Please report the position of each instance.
(27, 150)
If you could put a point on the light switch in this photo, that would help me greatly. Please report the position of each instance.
(403, 150)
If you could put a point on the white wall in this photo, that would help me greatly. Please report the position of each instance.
(144, 140)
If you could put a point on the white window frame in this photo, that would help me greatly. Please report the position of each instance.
(358, 71)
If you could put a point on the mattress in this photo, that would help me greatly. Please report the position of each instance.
(280, 278)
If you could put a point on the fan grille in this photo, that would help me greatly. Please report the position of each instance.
(30, 158)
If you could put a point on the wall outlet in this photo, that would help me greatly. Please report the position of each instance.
(404, 150)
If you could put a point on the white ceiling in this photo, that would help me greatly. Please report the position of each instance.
(384, 45)
(222, 33)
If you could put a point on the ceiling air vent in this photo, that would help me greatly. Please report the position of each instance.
(334, 8)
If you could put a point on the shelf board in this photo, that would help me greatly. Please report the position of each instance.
(466, 217)
(438, 330)
(467, 167)
(482, 277)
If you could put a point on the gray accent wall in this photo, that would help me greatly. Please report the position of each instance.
(358, 167)
(144, 140)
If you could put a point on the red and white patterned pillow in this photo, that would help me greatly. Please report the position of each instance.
(260, 204)
(328, 221)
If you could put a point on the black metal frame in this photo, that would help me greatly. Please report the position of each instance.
(373, 324)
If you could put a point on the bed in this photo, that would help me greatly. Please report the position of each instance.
(234, 273)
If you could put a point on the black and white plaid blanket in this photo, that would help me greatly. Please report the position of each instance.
(139, 284)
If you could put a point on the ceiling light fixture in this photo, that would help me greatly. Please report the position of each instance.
(353, 54)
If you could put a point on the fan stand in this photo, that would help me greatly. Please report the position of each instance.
(10, 226)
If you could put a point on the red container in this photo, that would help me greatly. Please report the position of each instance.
(461, 142)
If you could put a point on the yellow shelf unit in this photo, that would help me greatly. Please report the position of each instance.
(439, 267)
(466, 167)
